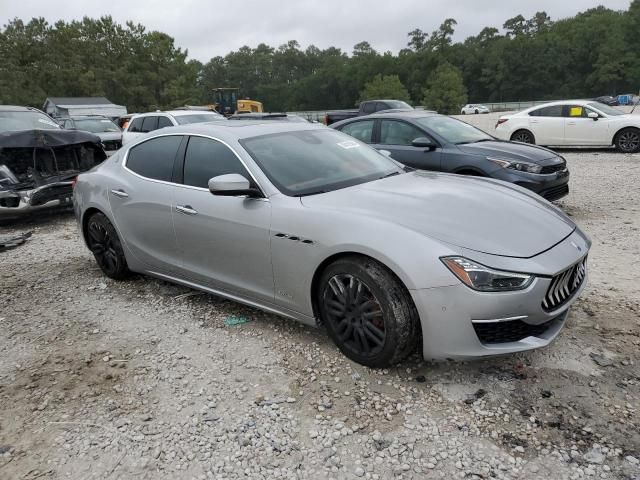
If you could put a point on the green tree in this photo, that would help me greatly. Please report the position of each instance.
(388, 86)
(445, 91)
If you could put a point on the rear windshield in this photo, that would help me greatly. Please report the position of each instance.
(197, 118)
(26, 120)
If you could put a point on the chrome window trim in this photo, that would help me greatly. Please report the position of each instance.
(244, 164)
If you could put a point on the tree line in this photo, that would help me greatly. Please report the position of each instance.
(596, 52)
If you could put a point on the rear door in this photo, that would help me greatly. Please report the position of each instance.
(360, 129)
(141, 200)
(547, 125)
(396, 137)
(224, 242)
(580, 129)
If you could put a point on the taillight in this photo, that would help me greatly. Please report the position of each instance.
(326, 119)
(74, 180)
(501, 121)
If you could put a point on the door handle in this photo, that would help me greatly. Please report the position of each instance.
(571, 123)
(120, 193)
(535, 121)
(186, 209)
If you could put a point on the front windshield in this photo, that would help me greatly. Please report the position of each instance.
(606, 109)
(307, 162)
(452, 130)
(398, 104)
(26, 120)
(197, 118)
(96, 125)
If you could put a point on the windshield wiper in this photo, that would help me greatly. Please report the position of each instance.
(315, 192)
(475, 141)
(391, 174)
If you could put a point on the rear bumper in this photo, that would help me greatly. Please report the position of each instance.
(14, 204)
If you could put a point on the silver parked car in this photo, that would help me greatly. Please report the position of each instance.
(307, 222)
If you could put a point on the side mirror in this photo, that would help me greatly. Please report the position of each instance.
(593, 115)
(232, 185)
(423, 142)
(386, 153)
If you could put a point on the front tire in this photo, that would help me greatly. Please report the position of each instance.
(523, 136)
(628, 140)
(106, 247)
(477, 111)
(367, 311)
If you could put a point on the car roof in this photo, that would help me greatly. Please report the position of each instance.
(559, 102)
(396, 113)
(240, 130)
(176, 113)
(18, 108)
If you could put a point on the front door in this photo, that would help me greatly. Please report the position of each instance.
(580, 129)
(224, 242)
(396, 136)
(140, 200)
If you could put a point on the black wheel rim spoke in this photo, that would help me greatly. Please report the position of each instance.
(102, 246)
(355, 314)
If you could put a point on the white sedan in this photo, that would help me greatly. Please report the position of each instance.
(148, 122)
(472, 108)
(573, 123)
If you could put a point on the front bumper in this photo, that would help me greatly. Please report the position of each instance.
(458, 322)
(14, 204)
(551, 186)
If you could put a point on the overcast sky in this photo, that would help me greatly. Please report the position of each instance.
(213, 27)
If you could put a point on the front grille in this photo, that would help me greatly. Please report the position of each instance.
(510, 331)
(564, 285)
(556, 192)
(112, 144)
(554, 168)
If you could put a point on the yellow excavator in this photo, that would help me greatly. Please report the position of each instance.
(227, 103)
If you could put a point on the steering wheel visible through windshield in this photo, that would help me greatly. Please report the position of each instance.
(308, 162)
(454, 131)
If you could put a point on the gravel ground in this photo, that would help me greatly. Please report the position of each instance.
(142, 379)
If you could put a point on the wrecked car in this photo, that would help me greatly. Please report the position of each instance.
(39, 161)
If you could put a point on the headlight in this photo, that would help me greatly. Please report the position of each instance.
(521, 166)
(486, 279)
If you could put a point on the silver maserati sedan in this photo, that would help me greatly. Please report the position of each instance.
(306, 222)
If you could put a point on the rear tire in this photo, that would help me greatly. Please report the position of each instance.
(523, 136)
(106, 247)
(367, 311)
(477, 111)
(628, 140)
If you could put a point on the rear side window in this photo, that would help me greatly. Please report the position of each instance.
(206, 158)
(164, 122)
(149, 124)
(136, 125)
(154, 158)
(361, 130)
(552, 111)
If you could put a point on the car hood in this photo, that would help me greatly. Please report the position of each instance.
(510, 151)
(478, 214)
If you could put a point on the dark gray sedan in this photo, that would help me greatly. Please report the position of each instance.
(428, 141)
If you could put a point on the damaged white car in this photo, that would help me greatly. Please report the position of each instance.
(39, 161)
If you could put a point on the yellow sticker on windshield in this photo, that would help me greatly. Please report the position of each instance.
(575, 112)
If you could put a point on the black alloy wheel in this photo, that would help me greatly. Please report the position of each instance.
(367, 311)
(628, 140)
(523, 136)
(356, 314)
(105, 245)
